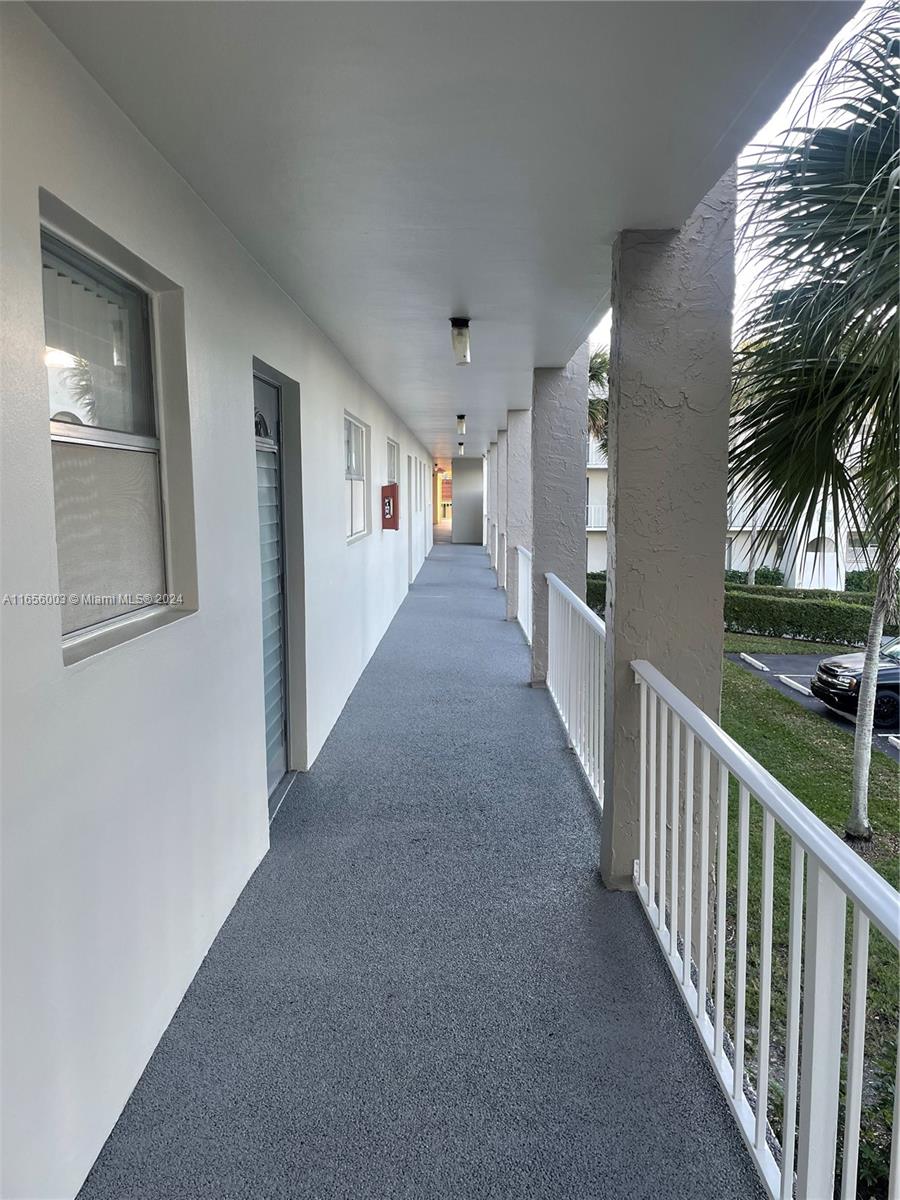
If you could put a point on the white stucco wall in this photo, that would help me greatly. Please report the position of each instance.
(468, 500)
(596, 538)
(134, 783)
(596, 551)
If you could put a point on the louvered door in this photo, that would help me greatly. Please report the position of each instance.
(271, 553)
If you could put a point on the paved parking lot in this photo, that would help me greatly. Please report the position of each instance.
(800, 668)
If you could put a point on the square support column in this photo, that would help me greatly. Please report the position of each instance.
(518, 501)
(492, 503)
(501, 507)
(558, 474)
(670, 392)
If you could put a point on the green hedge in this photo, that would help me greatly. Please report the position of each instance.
(808, 620)
(779, 612)
(596, 593)
(861, 581)
(804, 593)
(769, 576)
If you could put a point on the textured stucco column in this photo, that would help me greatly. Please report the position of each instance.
(518, 501)
(501, 507)
(670, 388)
(492, 502)
(558, 473)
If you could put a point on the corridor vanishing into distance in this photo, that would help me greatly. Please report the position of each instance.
(424, 991)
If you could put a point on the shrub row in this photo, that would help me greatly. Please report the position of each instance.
(808, 620)
(596, 593)
(750, 610)
(770, 576)
(861, 581)
(803, 593)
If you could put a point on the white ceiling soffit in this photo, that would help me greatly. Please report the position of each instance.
(392, 165)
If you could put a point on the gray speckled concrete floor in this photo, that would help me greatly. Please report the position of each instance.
(423, 991)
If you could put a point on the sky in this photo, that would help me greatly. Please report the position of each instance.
(770, 132)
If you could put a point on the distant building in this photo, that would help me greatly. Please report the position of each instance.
(822, 563)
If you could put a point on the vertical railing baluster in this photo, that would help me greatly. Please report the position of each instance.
(721, 905)
(663, 781)
(570, 699)
(740, 986)
(591, 698)
(855, 1053)
(642, 789)
(551, 643)
(597, 721)
(687, 941)
(583, 690)
(673, 805)
(823, 996)
(651, 803)
(765, 976)
(576, 680)
(582, 663)
(703, 915)
(792, 1023)
(601, 714)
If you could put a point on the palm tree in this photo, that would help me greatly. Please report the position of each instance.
(598, 397)
(814, 419)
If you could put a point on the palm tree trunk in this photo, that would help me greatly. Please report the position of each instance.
(858, 821)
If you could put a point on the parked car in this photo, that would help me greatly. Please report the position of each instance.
(837, 681)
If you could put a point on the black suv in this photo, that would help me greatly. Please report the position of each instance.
(836, 683)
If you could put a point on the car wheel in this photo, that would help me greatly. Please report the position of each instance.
(887, 708)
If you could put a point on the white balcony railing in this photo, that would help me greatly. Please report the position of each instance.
(596, 516)
(523, 591)
(687, 763)
(575, 676)
(596, 457)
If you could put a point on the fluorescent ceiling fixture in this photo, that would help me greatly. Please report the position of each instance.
(459, 336)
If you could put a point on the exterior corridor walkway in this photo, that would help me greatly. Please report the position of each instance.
(424, 991)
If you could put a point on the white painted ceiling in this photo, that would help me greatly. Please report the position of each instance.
(393, 164)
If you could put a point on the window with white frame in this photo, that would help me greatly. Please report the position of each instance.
(105, 440)
(393, 461)
(356, 490)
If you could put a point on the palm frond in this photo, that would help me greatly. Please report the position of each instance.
(598, 396)
(815, 411)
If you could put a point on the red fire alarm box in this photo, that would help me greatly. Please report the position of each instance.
(390, 506)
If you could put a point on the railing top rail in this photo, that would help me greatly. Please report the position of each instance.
(588, 614)
(522, 550)
(863, 885)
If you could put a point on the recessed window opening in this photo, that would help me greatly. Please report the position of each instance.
(105, 439)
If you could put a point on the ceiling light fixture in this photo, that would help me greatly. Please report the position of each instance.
(461, 423)
(459, 336)
(462, 449)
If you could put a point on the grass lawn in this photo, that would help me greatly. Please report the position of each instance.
(813, 759)
(752, 643)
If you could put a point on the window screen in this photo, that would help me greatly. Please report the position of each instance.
(105, 450)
